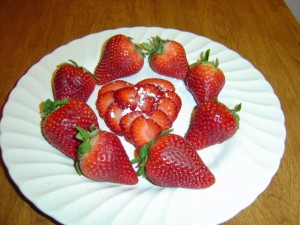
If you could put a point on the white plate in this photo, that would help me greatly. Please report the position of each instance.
(243, 165)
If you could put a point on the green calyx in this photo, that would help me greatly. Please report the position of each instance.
(156, 46)
(204, 59)
(235, 110)
(50, 106)
(73, 63)
(144, 154)
(85, 136)
(138, 47)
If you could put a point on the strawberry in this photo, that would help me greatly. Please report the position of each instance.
(161, 119)
(59, 119)
(212, 123)
(125, 124)
(171, 161)
(169, 107)
(167, 57)
(163, 84)
(102, 157)
(204, 79)
(114, 85)
(174, 97)
(149, 96)
(143, 130)
(72, 81)
(121, 58)
(112, 118)
(103, 102)
(127, 97)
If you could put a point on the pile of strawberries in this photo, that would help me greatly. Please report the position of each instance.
(143, 113)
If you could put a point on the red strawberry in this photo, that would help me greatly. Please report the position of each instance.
(114, 85)
(163, 84)
(149, 96)
(174, 97)
(121, 58)
(103, 102)
(72, 81)
(126, 121)
(161, 119)
(205, 80)
(127, 97)
(112, 118)
(167, 57)
(169, 107)
(143, 130)
(171, 161)
(213, 123)
(59, 119)
(102, 157)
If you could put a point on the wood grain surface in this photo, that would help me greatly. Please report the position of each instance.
(263, 32)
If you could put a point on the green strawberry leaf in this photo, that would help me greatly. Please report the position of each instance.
(147, 46)
(85, 136)
(50, 106)
(77, 167)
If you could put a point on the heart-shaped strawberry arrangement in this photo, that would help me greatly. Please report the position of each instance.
(143, 113)
(138, 112)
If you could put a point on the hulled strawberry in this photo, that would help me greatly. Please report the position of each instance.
(212, 123)
(171, 161)
(121, 58)
(204, 79)
(59, 120)
(167, 57)
(72, 81)
(102, 157)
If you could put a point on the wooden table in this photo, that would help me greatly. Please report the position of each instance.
(263, 32)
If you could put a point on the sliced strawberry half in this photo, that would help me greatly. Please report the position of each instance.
(112, 118)
(127, 97)
(125, 124)
(169, 107)
(163, 84)
(114, 85)
(149, 96)
(175, 98)
(161, 119)
(143, 130)
(103, 102)
(148, 105)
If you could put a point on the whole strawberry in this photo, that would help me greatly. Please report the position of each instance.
(213, 123)
(204, 79)
(102, 157)
(72, 81)
(171, 161)
(59, 120)
(167, 57)
(121, 58)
